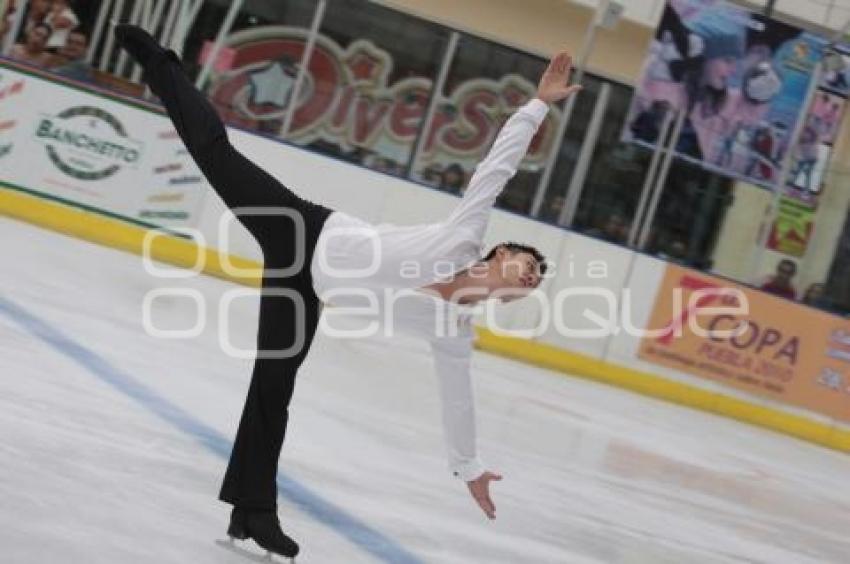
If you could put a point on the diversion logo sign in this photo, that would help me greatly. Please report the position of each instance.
(87, 143)
(353, 99)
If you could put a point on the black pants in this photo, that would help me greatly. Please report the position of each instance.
(286, 326)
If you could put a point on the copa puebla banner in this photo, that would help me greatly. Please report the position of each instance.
(780, 350)
(89, 149)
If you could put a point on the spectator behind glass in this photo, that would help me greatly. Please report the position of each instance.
(36, 13)
(70, 62)
(384, 164)
(453, 179)
(780, 283)
(393, 167)
(6, 22)
(614, 230)
(33, 50)
(816, 297)
(432, 175)
(61, 19)
(675, 251)
(552, 211)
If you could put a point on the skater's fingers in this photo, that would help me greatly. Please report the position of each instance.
(484, 502)
(489, 506)
(487, 503)
(561, 62)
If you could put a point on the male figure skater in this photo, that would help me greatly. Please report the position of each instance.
(313, 254)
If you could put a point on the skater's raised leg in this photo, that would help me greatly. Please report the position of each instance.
(289, 309)
(238, 181)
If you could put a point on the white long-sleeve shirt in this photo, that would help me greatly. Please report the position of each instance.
(354, 258)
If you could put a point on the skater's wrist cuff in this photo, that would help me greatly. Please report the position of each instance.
(468, 471)
(536, 109)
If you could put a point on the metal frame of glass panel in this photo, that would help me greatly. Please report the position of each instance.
(303, 68)
(220, 37)
(437, 92)
(181, 14)
(574, 190)
(16, 24)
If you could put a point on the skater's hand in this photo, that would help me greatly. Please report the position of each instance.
(555, 83)
(480, 490)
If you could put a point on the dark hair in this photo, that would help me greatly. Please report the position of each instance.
(788, 262)
(520, 248)
(699, 91)
(455, 168)
(458, 170)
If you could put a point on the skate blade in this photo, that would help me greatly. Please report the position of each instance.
(232, 546)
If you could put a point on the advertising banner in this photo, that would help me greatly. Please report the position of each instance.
(355, 98)
(836, 76)
(825, 115)
(793, 227)
(771, 347)
(90, 150)
(810, 162)
(740, 78)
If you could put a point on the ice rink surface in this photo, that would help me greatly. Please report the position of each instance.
(114, 442)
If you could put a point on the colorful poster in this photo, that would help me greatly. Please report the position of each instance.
(751, 341)
(813, 152)
(836, 75)
(94, 151)
(825, 116)
(740, 78)
(793, 227)
(808, 168)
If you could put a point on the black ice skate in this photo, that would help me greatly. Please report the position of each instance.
(138, 43)
(142, 47)
(264, 528)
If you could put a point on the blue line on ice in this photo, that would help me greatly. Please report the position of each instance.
(345, 524)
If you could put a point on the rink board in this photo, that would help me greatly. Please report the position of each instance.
(185, 253)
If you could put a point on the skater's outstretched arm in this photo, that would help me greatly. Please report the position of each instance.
(510, 147)
(452, 356)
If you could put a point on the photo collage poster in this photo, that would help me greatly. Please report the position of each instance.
(740, 78)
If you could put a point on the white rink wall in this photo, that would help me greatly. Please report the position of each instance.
(377, 197)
